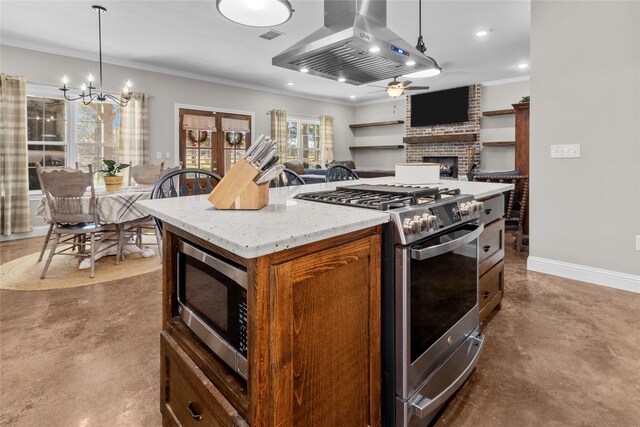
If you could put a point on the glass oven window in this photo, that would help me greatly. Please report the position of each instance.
(443, 289)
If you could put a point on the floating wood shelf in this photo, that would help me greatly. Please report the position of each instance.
(375, 147)
(499, 112)
(452, 137)
(499, 144)
(372, 124)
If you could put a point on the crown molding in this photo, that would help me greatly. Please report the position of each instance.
(38, 47)
(507, 81)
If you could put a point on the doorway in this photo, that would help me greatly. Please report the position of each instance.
(212, 140)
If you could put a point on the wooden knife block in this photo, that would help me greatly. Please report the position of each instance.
(238, 190)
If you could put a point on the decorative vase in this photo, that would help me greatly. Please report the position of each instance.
(113, 183)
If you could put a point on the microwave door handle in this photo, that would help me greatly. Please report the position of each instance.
(426, 253)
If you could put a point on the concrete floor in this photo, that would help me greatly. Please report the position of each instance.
(559, 353)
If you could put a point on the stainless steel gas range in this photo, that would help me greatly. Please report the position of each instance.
(430, 335)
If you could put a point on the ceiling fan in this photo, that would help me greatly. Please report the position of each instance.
(396, 88)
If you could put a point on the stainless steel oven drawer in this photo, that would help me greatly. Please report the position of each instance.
(493, 209)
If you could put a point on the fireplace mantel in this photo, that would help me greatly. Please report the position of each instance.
(450, 137)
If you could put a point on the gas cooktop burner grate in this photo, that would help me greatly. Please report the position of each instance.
(380, 197)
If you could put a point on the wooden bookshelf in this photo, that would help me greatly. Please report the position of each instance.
(499, 112)
(499, 144)
(373, 124)
(376, 147)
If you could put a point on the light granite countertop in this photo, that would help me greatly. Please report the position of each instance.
(285, 222)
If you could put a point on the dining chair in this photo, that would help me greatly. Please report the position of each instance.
(145, 174)
(72, 213)
(145, 226)
(184, 182)
(340, 173)
(287, 178)
(46, 169)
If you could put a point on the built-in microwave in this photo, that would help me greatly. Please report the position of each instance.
(212, 301)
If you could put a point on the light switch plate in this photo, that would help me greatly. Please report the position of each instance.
(637, 243)
(565, 151)
(167, 155)
(158, 155)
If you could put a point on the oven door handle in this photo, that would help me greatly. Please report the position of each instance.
(426, 253)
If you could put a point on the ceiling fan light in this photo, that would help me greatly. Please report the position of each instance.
(256, 13)
(395, 91)
(425, 73)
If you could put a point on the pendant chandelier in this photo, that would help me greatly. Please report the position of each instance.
(88, 94)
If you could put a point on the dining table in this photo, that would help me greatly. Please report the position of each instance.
(112, 208)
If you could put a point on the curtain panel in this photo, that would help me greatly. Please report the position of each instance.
(326, 139)
(279, 132)
(15, 215)
(134, 130)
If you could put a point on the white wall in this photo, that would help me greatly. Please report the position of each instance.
(499, 128)
(585, 89)
(167, 90)
(379, 135)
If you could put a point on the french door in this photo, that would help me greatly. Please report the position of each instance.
(212, 141)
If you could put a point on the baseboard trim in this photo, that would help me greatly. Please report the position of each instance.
(597, 276)
(37, 232)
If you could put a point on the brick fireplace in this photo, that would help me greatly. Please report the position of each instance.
(451, 140)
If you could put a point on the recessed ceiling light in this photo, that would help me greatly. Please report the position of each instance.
(523, 66)
(481, 33)
(256, 13)
(374, 49)
(352, 96)
(290, 84)
(410, 62)
(342, 80)
(304, 70)
(424, 73)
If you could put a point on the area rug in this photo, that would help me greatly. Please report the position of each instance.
(23, 274)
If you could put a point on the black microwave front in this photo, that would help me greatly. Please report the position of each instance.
(212, 298)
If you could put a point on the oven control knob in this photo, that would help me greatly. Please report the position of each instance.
(410, 226)
(479, 207)
(422, 222)
(464, 208)
(433, 222)
(430, 222)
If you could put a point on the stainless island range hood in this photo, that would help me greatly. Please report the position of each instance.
(355, 45)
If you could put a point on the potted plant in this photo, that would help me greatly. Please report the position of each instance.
(110, 171)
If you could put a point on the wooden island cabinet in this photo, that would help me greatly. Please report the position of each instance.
(313, 338)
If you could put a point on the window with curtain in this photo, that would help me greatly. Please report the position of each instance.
(303, 142)
(47, 142)
(60, 132)
(97, 130)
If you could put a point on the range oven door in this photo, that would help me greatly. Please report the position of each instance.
(436, 304)
(212, 301)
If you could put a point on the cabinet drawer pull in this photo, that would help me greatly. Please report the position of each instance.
(196, 416)
(487, 211)
(486, 294)
(486, 248)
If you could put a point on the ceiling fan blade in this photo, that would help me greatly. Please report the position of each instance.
(417, 88)
(381, 87)
(406, 83)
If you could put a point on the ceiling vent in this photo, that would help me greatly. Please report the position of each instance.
(271, 34)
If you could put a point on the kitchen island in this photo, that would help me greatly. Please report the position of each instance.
(313, 311)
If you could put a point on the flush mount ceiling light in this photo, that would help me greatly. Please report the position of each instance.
(256, 13)
(90, 96)
(481, 33)
(523, 66)
(290, 84)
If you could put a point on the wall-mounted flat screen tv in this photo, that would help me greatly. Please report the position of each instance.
(441, 107)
